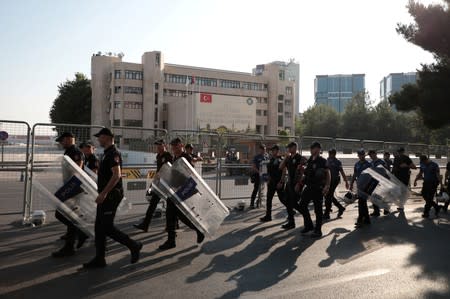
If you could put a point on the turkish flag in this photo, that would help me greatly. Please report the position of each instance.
(205, 98)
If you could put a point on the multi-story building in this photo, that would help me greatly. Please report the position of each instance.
(337, 90)
(155, 94)
(394, 82)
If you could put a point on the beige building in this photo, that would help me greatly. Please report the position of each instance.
(155, 94)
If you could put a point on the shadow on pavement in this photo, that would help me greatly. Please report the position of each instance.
(431, 240)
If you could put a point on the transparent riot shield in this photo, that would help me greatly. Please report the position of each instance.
(181, 184)
(382, 188)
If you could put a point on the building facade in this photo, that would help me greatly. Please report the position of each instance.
(337, 90)
(394, 82)
(155, 94)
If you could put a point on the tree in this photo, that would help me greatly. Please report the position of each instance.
(319, 120)
(73, 103)
(358, 118)
(430, 96)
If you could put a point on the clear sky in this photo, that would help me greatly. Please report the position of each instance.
(45, 42)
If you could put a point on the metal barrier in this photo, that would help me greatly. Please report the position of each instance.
(45, 153)
(14, 164)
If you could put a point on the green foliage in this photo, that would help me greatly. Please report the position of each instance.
(361, 120)
(73, 104)
(430, 97)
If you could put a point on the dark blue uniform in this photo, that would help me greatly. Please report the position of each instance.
(275, 176)
(315, 179)
(106, 211)
(335, 167)
(91, 162)
(293, 164)
(72, 231)
(363, 210)
(430, 172)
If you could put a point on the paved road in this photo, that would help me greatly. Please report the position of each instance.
(399, 256)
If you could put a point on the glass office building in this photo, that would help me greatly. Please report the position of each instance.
(337, 90)
(394, 82)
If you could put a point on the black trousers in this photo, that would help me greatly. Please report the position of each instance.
(363, 209)
(104, 224)
(172, 214)
(314, 194)
(428, 192)
(255, 191)
(292, 199)
(72, 231)
(329, 198)
(271, 189)
(151, 210)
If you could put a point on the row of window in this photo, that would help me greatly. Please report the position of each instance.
(261, 112)
(131, 75)
(176, 93)
(128, 89)
(128, 105)
(203, 81)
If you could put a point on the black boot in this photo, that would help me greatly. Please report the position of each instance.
(96, 262)
(135, 252)
(289, 225)
(170, 243)
(64, 252)
(141, 226)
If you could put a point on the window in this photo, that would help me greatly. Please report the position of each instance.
(164, 124)
(158, 59)
(156, 114)
(230, 84)
(171, 78)
(117, 104)
(280, 107)
(117, 74)
(252, 86)
(280, 120)
(156, 86)
(258, 100)
(133, 90)
(289, 90)
(288, 114)
(258, 129)
(117, 89)
(281, 75)
(133, 75)
(280, 97)
(265, 112)
(265, 130)
(258, 112)
(265, 100)
(205, 81)
(116, 123)
(176, 93)
(132, 105)
(156, 98)
(132, 123)
(288, 102)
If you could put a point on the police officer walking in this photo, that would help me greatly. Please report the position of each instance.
(363, 210)
(172, 212)
(387, 161)
(256, 173)
(294, 163)
(90, 159)
(429, 172)
(67, 141)
(109, 197)
(190, 151)
(402, 166)
(317, 181)
(375, 162)
(162, 157)
(275, 183)
(336, 172)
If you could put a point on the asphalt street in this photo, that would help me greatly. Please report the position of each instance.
(398, 256)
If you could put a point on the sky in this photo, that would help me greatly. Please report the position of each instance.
(43, 43)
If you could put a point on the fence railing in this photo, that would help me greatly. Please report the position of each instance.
(226, 165)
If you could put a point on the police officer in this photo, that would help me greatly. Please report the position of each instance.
(429, 172)
(336, 171)
(402, 166)
(294, 163)
(67, 141)
(190, 151)
(90, 159)
(275, 182)
(387, 161)
(375, 162)
(317, 181)
(256, 172)
(162, 157)
(447, 185)
(363, 210)
(110, 194)
(172, 212)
